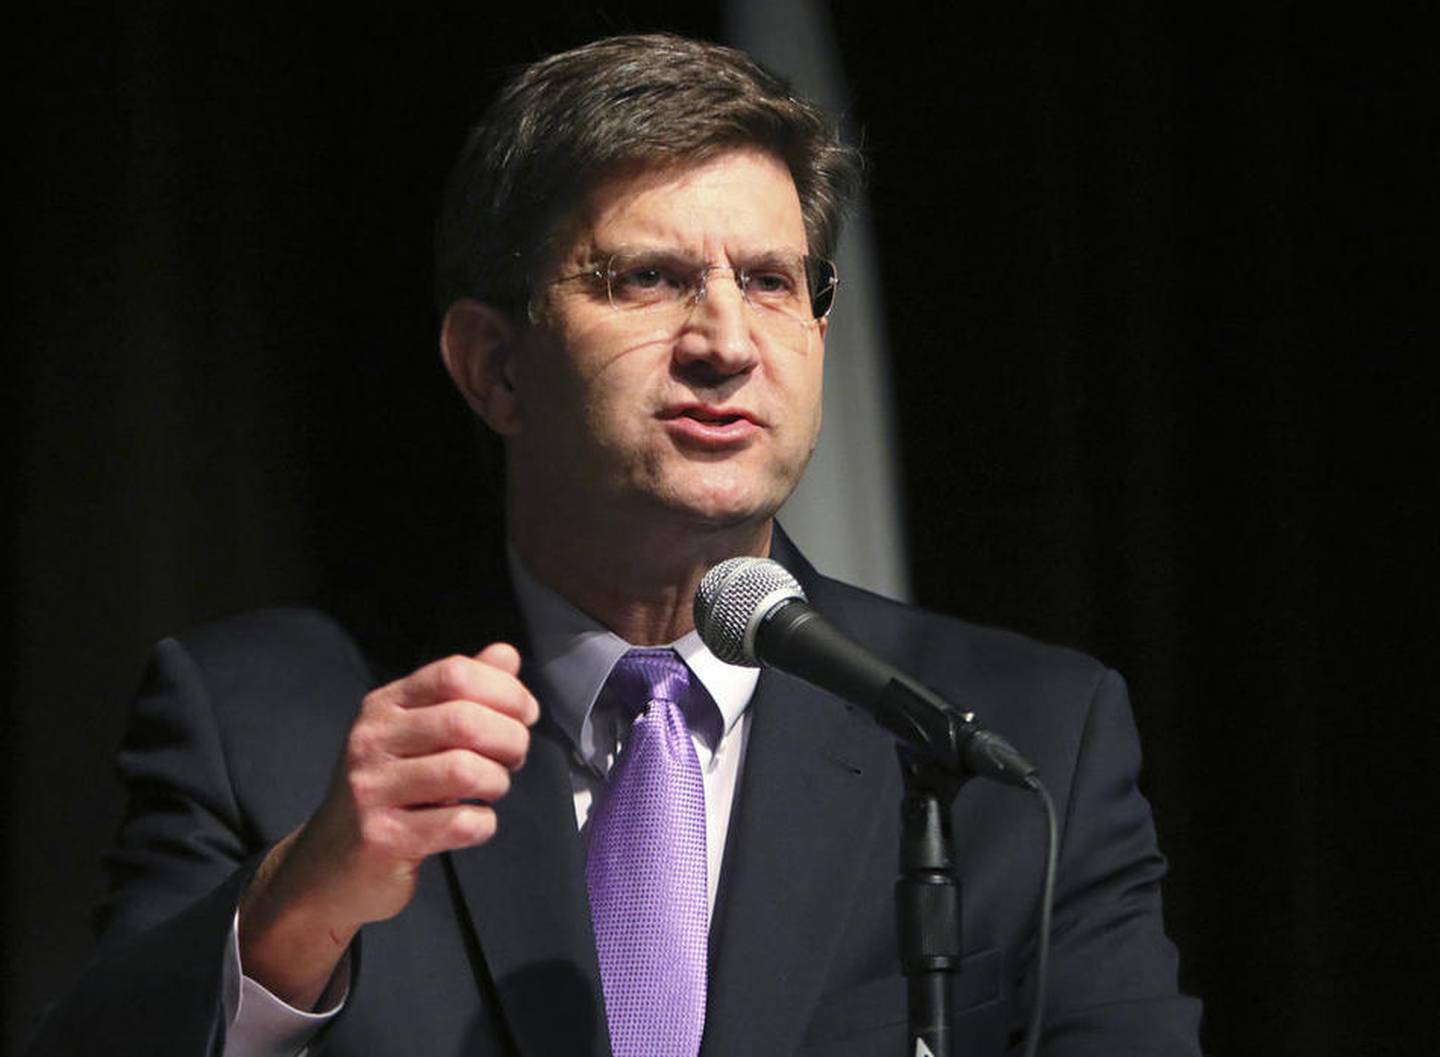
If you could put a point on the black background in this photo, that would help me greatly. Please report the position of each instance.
(1158, 286)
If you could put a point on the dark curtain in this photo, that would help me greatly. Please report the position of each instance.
(1158, 286)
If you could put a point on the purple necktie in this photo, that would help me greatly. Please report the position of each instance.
(645, 870)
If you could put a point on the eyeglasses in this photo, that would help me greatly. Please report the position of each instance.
(779, 286)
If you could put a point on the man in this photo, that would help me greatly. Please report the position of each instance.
(608, 840)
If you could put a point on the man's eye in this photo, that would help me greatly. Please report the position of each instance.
(643, 278)
(772, 286)
(645, 283)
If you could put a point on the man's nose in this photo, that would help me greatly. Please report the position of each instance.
(719, 329)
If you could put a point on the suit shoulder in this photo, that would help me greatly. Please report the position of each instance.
(294, 628)
(945, 647)
(272, 693)
(276, 653)
(1039, 696)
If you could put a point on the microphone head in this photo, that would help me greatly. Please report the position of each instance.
(734, 599)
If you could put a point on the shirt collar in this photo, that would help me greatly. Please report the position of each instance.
(571, 656)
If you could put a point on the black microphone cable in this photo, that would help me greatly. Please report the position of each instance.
(1046, 911)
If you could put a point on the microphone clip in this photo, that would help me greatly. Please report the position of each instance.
(947, 739)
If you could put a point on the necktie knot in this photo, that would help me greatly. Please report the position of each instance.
(646, 675)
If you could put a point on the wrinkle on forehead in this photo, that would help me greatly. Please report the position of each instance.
(710, 209)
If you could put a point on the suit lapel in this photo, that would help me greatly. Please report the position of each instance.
(525, 895)
(524, 891)
(786, 875)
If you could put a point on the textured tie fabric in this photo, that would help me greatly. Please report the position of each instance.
(645, 869)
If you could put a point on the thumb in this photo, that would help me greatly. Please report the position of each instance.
(501, 655)
(506, 657)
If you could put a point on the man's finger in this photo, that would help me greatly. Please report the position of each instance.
(461, 678)
(447, 827)
(459, 725)
(441, 778)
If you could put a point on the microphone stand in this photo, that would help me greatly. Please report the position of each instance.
(937, 756)
(927, 904)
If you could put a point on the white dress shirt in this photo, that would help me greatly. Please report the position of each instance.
(570, 659)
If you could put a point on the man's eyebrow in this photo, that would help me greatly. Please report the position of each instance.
(667, 249)
(747, 257)
(771, 255)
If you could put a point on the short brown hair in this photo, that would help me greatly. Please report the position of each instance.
(564, 123)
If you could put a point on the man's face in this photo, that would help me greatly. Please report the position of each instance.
(709, 413)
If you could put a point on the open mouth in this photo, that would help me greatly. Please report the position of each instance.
(712, 418)
(707, 415)
(710, 427)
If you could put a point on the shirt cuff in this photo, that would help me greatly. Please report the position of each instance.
(262, 1025)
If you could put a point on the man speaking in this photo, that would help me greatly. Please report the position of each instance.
(586, 834)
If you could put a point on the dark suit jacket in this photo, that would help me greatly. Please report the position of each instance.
(237, 728)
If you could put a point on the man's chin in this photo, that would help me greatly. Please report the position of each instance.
(718, 512)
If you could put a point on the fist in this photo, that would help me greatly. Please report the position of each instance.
(425, 761)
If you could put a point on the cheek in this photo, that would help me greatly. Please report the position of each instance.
(605, 421)
(806, 398)
(555, 387)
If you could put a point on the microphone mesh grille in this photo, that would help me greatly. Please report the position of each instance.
(728, 604)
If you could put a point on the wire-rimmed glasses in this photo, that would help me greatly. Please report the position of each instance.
(779, 286)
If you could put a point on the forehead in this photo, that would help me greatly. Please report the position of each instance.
(741, 201)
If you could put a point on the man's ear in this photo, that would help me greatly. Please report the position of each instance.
(476, 343)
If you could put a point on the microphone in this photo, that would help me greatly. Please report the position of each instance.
(751, 611)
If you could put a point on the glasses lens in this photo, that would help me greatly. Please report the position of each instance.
(777, 285)
(820, 276)
(649, 279)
